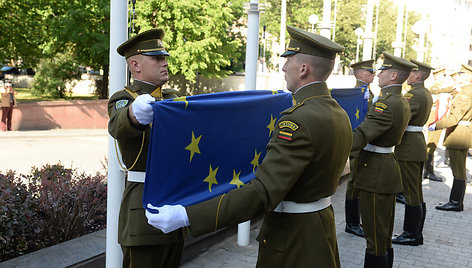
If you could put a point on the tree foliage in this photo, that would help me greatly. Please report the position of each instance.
(198, 33)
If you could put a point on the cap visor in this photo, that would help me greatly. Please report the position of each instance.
(156, 53)
(288, 53)
(384, 68)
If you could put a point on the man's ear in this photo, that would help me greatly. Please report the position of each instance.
(304, 69)
(393, 76)
(134, 64)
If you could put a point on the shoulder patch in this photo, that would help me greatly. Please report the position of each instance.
(408, 96)
(121, 104)
(379, 107)
(288, 124)
(285, 135)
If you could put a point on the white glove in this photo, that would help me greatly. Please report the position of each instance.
(366, 94)
(169, 218)
(142, 109)
(432, 127)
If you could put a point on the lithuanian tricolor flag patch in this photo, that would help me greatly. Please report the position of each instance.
(285, 135)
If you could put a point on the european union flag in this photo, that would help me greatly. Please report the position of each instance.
(206, 145)
(353, 101)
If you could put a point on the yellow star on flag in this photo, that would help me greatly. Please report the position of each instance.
(184, 99)
(274, 92)
(255, 161)
(357, 114)
(236, 181)
(211, 178)
(193, 146)
(271, 126)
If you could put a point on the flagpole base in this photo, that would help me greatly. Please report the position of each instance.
(243, 233)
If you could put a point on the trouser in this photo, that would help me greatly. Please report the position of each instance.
(378, 214)
(458, 165)
(352, 194)
(433, 140)
(153, 256)
(7, 113)
(411, 172)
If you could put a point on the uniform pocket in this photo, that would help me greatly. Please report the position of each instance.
(367, 171)
(272, 233)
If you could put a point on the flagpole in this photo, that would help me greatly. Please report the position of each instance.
(252, 49)
(116, 180)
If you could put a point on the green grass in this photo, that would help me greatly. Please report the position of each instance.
(24, 95)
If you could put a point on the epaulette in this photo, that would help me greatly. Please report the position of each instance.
(290, 110)
(170, 91)
(131, 92)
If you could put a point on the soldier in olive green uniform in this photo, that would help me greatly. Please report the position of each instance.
(364, 72)
(377, 175)
(433, 136)
(130, 115)
(294, 183)
(459, 140)
(411, 154)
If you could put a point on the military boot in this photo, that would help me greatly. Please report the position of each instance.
(411, 225)
(353, 225)
(456, 198)
(423, 217)
(429, 169)
(389, 257)
(373, 261)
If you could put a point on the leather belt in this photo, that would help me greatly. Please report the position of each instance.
(414, 129)
(136, 176)
(464, 123)
(294, 207)
(379, 149)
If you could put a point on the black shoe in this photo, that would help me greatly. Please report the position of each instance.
(451, 206)
(407, 238)
(355, 229)
(433, 177)
(400, 198)
(420, 237)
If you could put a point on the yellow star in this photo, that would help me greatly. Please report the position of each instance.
(193, 146)
(274, 92)
(271, 126)
(255, 161)
(357, 113)
(211, 178)
(235, 180)
(184, 99)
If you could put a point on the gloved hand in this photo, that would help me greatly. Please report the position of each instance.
(169, 218)
(432, 127)
(366, 94)
(142, 109)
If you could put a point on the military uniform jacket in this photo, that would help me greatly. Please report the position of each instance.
(460, 134)
(305, 158)
(383, 126)
(413, 144)
(133, 229)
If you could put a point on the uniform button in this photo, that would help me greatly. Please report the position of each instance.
(264, 241)
(365, 165)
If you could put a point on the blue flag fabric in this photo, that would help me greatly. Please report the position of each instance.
(206, 145)
(353, 101)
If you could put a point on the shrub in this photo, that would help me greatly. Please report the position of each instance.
(49, 206)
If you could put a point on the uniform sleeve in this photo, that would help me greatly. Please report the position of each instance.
(459, 107)
(414, 103)
(119, 124)
(377, 121)
(288, 153)
(437, 90)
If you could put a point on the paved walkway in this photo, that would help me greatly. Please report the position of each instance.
(447, 235)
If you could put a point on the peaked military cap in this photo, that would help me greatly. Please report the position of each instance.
(439, 71)
(366, 65)
(394, 62)
(421, 66)
(146, 43)
(466, 69)
(312, 44)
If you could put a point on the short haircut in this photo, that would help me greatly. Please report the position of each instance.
(424, 74)
(401, 75)
(321, 67)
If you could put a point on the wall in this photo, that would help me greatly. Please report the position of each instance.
(78, 114)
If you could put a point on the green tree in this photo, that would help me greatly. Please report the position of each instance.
(198, 33)
(53, 75)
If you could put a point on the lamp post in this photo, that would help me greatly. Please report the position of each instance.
(420, 28)
(359, 31)
(313, 19)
